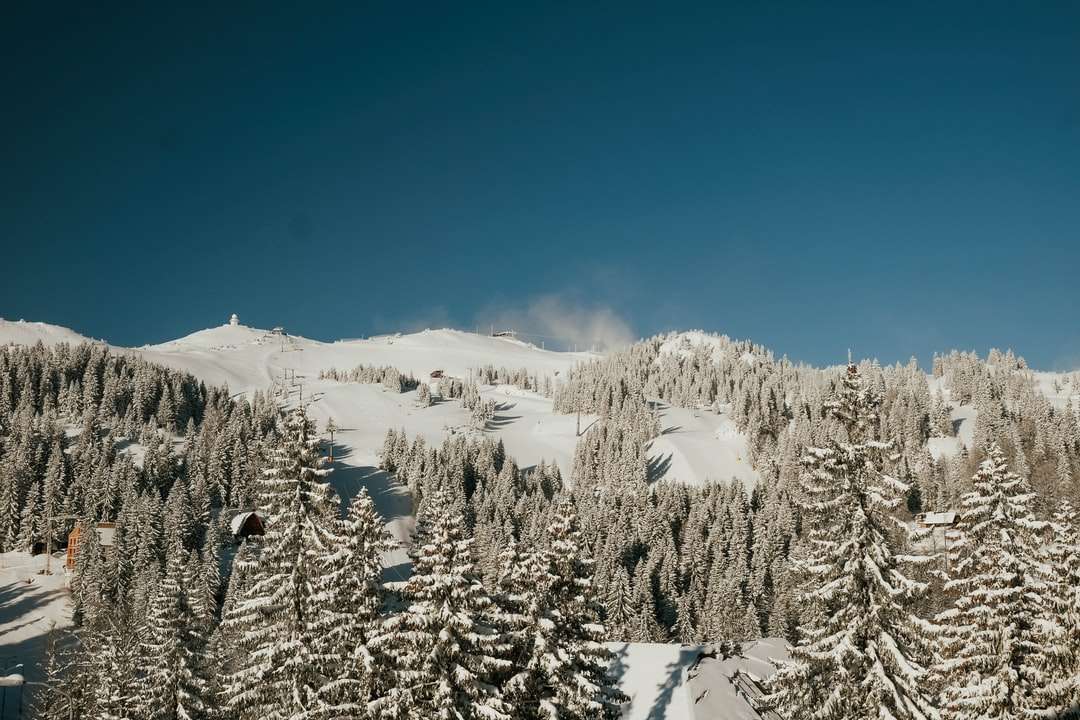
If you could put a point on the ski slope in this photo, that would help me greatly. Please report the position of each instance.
(701, 446)
(695, 447)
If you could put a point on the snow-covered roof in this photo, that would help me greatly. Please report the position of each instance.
(15, 680)
(106, 534)
(237, 523)
(938, 518)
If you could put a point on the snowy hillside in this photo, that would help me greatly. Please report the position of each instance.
(696, 446)
(31, 604)
(21, 332)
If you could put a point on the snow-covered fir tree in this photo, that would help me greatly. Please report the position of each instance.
(278, 670)
(1058, 628)
(989, 644)
(860, 655)
(349, 597)
(564, 674)
(441, 650)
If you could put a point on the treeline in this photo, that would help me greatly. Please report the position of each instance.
(389, 377)
(781, 407)
(521, 378)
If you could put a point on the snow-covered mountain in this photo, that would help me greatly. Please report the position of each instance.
(696, 445)
(22, 332)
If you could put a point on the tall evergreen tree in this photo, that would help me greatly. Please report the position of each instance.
(860, 655)
(1058, 630)
(440, 649)
(565, 675)
(278, 672)
(988, 643)
(350, 595)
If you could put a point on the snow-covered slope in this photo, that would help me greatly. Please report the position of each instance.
(692, 682)
(1062, 389)
(699, 446)
(30, 605)
(247, 358)
(696, 447)
(21, 332)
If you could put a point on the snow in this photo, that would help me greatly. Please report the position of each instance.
(937, 518)
(30, 605)
(687, 682)
(700, 446)
(21, 332)
(684, 343)
(12, 681)
(696, 447)
(714, 688)
(1061, 389)
(963, 421)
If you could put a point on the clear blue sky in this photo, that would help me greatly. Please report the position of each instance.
(901, 179)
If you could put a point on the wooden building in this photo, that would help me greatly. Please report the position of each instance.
(106, 536)
(248, 523)
(936, 519)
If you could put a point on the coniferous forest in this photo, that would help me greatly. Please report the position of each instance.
(519, 576)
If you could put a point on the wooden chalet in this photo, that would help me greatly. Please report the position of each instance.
(106, 536)
(248, 523)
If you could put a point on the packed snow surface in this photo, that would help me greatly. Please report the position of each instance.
(692, 682)
(31, 604)
(699, 446)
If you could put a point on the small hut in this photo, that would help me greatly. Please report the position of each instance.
(248, 523)
(936, 519)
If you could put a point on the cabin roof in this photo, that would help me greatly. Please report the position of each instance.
(237, 523)
(938, 518)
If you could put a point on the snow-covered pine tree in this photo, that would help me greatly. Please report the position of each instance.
(350, 596)
(442, 654)
(988, 648)
(277, 671)
(1058, 630)
(859, 655)
(423, 395)
(30, 520)
(171, 688)
(108, 660)
(565, 675)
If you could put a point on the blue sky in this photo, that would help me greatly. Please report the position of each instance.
(898, 179)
